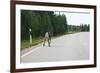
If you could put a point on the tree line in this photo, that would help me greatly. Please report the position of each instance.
(43, 21)
(79, 28)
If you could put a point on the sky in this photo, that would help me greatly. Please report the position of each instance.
(76, 18)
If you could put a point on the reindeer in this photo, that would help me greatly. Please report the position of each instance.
(47, 38)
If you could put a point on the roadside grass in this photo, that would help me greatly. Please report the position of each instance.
(26, 43)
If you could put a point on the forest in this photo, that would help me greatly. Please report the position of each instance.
(42, 21)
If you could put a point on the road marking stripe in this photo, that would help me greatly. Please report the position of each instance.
(29, 52)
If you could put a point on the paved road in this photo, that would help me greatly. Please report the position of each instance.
(64, 48)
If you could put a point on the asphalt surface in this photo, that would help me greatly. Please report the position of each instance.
(64, 48)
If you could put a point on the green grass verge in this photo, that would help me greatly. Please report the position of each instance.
(26, 43)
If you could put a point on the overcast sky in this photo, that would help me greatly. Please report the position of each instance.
(76, 18)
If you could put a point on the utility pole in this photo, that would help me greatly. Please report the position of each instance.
(30, 36)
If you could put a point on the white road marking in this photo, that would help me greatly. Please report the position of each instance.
(29, 52)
